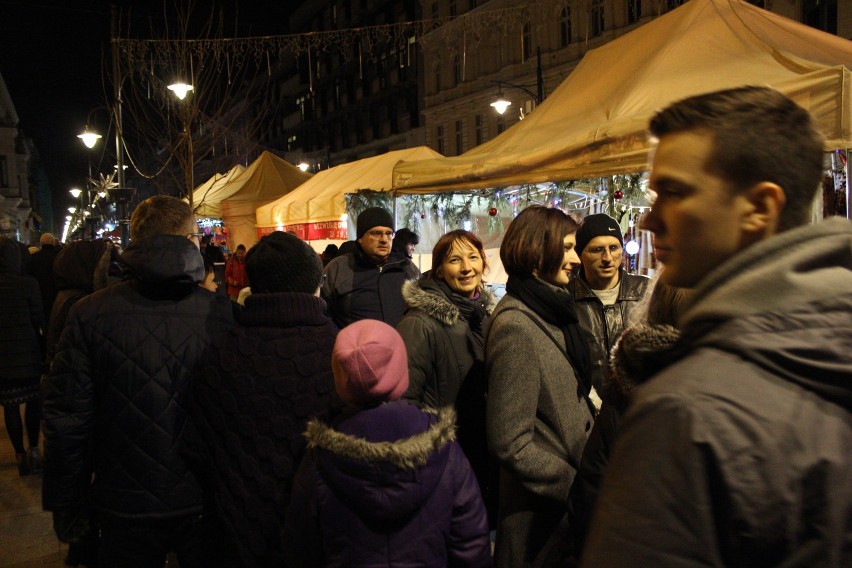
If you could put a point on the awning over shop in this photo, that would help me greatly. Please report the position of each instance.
(595, 122)
(322, 198)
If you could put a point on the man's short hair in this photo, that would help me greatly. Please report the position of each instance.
(758, 135)
(534, 241)
(161, 215)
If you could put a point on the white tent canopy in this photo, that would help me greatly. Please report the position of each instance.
(323, 197)
(595, 122)
(204, 199)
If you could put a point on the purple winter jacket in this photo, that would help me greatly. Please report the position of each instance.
(386, 486)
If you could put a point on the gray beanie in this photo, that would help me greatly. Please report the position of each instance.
(282, 262)
(373, 217)
(597, 225)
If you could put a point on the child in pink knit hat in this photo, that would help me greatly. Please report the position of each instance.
(386, 484)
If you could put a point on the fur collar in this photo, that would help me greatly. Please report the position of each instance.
(420, 295)
(408, 453)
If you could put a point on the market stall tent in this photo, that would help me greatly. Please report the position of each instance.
(314, 209)
(204, 199)
(266, 179)
(595, 122)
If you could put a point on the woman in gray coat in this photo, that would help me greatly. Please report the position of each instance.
(538, 409)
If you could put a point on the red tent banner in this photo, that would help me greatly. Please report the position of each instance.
(325, 230)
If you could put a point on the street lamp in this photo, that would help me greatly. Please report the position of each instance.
(89, 138)
(501, 103)
(180, 89)
(75, 193)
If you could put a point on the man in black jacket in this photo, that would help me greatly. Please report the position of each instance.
(367, 282)
(115, 402)
(604, 293)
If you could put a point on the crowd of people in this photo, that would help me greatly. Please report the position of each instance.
(351, 411)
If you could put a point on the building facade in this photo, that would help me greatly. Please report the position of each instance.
(360, 98)
(15, 211)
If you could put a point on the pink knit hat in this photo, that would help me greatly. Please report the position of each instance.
(370, 363)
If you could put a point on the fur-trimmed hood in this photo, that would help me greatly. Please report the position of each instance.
(427, 296)
(641, 351)
(386, 461)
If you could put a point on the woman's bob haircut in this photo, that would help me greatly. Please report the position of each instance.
(447, 242)
(534, 242)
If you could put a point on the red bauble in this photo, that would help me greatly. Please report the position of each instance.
(423, 215)
(493, 211)
(618, 194)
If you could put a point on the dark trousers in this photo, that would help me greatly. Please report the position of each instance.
(145, 544)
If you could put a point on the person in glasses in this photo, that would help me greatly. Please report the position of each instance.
(366, 283)
(604, 293)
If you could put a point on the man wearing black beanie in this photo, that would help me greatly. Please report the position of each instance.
(263, 381)
(367, 282)
(604, 293)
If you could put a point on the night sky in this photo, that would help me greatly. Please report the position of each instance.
(51, 56)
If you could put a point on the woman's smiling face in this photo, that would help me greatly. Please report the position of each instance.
(462, 269)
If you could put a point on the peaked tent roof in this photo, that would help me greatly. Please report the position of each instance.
(204, 196)
(266, 179)
(595, 122)
(322, 198)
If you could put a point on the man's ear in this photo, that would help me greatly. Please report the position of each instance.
(765, 202)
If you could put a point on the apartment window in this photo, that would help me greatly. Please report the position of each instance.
(672, 4)
(437, 78)
(526, 41)
(478, 129)
(439, 138)
(821, 14)
(291, 143)
(565, 27)
(597, 13)
(501, 124)
(434, 10)
(453, 9)
(459, 138)
(4, 172)
(457, 69)
(472, 4)
(300, 102)
(634, 11)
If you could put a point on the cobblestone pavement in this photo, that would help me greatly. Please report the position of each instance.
(26, 532)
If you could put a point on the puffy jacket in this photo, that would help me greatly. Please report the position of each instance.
(438, 340)
(263, 381)
(115, 399)
(357, 289)
(21, 319)
(386, 487)
(738, 452)
(602, 325)
(235, 275)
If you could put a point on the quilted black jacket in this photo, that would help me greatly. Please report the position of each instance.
(114, 402)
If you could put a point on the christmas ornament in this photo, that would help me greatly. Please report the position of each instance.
(618, 194)
(492, 211)
(423, 215)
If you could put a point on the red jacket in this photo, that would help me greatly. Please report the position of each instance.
(235, 275)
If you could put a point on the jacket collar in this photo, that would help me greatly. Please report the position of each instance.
(419, 294)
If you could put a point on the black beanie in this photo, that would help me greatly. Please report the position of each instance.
(597, 225)
(373, 217)
(282, 262)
